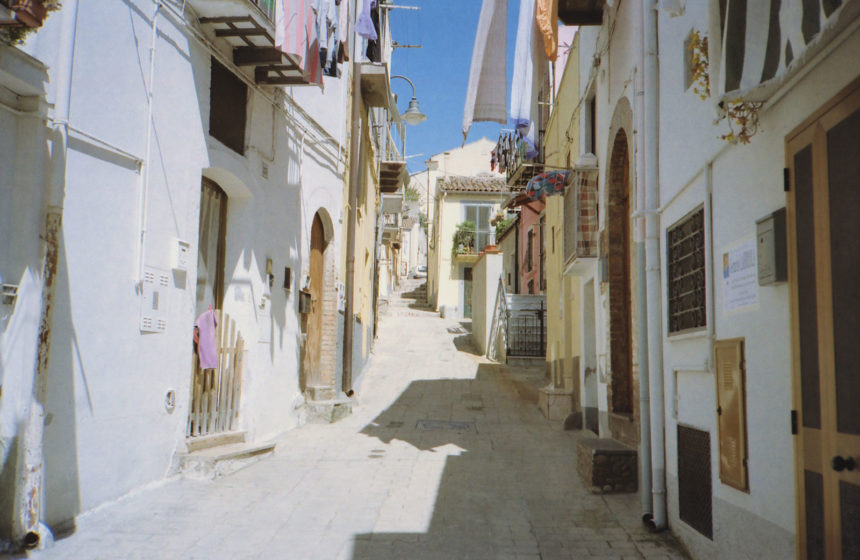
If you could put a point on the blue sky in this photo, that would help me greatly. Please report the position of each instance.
(440, 71)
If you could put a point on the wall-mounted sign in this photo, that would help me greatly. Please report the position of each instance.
(740, 276)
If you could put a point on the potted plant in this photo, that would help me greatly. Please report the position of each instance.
(464, 239)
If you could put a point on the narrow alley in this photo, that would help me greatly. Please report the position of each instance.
(447, 456)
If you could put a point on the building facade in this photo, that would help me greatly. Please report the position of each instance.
(195, 166)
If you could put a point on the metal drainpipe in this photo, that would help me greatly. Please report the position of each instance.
(641, 293)
(147, 156)
(354, 186)
(654, 304)
(28, 528)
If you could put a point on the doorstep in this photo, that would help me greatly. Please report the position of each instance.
(220, 455)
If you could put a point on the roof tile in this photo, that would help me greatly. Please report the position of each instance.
(457, 183)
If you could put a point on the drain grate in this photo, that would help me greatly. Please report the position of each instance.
(445, 425)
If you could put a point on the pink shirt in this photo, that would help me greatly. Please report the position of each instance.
(207, 346)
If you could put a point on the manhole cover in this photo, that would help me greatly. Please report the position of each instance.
(445, 425)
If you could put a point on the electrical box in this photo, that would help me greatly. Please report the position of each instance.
(153, 305)
(181, 254)
(771, 249)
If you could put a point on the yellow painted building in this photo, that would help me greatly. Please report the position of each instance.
(562, 396)
(470, 160)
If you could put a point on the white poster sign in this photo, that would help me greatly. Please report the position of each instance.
(740, 278)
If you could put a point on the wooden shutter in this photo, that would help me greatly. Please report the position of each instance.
(731, 412)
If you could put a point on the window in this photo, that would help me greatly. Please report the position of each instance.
(685, 246)
(542, 271)
(530, 242)
(479, 214)
(591, 125)
(228, 100)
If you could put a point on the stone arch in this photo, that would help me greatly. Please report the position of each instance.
(619, 201)
(317, 377)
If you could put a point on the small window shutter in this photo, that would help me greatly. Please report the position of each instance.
(731, 412)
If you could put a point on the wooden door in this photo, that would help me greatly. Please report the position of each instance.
(467, 292)
(823, 157)
(317, 272)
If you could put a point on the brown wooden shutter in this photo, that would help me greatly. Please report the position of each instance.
(731, 412)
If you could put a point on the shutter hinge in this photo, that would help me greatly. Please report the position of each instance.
(794, 422)
(719, 410)
(785, 179)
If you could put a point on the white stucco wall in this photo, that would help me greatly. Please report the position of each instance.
(485, 287)
(747, 185)
(108, 431)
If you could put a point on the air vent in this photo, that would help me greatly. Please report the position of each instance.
(694, 479)
(153, 305)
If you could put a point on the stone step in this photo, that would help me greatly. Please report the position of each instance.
(214, 440)
(216, 462)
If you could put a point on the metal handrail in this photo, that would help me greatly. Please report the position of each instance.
(267, 7)
(499, 324)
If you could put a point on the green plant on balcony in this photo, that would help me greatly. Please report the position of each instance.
(464, 239)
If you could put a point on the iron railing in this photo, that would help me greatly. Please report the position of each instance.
(527, 332)
(265, 6)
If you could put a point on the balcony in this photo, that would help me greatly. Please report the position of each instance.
(521, 170)
(580, 220)
(22, 13)
(249, 28)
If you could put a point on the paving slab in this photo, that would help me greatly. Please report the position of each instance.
(445, 456)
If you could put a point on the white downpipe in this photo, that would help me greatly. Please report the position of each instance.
(28, 528)
(645, 496)
(147, 155)
(652, 266)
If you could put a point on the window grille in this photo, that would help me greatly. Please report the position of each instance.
(686, 273)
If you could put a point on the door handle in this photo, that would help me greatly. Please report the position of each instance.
(840, 463)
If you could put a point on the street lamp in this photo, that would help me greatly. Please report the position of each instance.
(413, 114)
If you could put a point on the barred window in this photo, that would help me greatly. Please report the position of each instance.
(685, 246)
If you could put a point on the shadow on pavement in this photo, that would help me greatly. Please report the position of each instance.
(508, 486)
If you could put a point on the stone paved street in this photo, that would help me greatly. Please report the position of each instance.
(445, 456)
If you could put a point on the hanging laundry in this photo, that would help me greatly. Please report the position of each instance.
(547, 22)
(296, 35)
(207, 346)
(486, 95)
(374, 53)
(547, 183)
(364, 23)
(521, 82)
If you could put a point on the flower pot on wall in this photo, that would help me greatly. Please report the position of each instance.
(29, 12)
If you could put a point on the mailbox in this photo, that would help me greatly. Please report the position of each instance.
(771, 249)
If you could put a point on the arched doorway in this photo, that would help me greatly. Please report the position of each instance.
(311, 366)
(621, 361)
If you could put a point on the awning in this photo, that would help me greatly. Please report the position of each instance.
(764, 44)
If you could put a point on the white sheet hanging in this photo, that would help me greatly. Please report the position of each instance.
(486, 96)
(522, 82)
